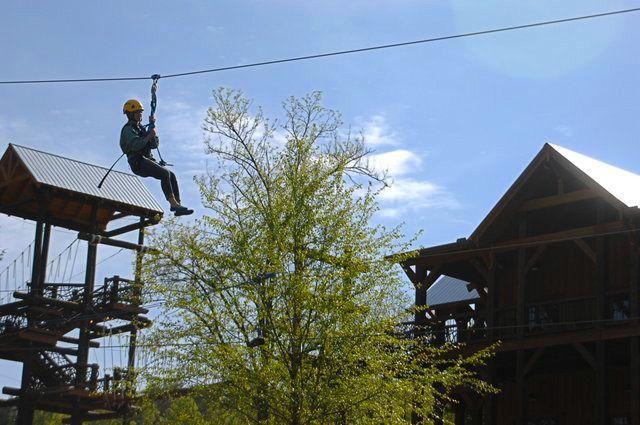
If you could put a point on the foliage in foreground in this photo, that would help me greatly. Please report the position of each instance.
(279, 303)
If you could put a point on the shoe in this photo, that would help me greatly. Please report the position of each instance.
(180, 210)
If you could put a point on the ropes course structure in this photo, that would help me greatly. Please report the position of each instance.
(53, 316)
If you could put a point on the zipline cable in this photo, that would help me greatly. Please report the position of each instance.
(336, 53)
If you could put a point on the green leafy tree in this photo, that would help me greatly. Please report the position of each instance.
(183, 410)
(280, 304)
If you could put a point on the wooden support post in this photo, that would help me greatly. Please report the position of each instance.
(521, 390)
(87, 299)
(634, 341)
(601, 271)
(491, 402)
(85, 333)
(37, 252)
(44, 259)
(491, 304)
(419, 318)
(634, 309)
(25, 409)
(601, 313)
(601, 381)
(532, 361)
(476, 417)
(133, 336)
(634, 376)
(521, 281)
(459, 413)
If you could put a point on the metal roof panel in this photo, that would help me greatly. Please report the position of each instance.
(448, 289)
(77, 176)
(622, 184)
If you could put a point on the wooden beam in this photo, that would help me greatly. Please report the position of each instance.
(481, 268)
(524, 242)
(555, 200)
(571, 234)
(564, 338)
(586, 248)
(533, 360)
(479, 289)
(534, 258)
(409, 272)
(119, 215)
(431, 278)
(586, 355)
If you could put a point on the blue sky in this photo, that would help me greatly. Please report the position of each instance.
(455, 121)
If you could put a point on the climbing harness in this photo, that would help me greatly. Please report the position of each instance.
(149, 127)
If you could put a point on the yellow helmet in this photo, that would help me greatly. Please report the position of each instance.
(132, 105)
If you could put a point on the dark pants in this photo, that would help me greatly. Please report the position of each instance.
(144, 167)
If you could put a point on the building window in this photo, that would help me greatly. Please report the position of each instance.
(541, 315)
(621, 420)
(620, 310)
(451, 331)
(544, 421)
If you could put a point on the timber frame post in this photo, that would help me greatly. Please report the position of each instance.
(133, 336)
(420, 315)
(25, 408)
(600, 404)
(87, 298)
(521, 396)
(634, 341)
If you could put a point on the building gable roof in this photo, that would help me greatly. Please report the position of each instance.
(619, 187)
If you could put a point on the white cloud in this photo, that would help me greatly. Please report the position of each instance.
(408, 192)
(398, 162)
(376, 132)
(407, 195)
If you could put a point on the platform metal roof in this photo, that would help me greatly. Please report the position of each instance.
(69, 187)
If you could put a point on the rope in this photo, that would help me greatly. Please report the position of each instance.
(73, 266)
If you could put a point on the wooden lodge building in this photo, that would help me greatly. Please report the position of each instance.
(551, 273)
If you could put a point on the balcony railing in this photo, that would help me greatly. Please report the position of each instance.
(562, 315)
(539, 318)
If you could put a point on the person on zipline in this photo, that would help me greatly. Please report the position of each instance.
(136, 142)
